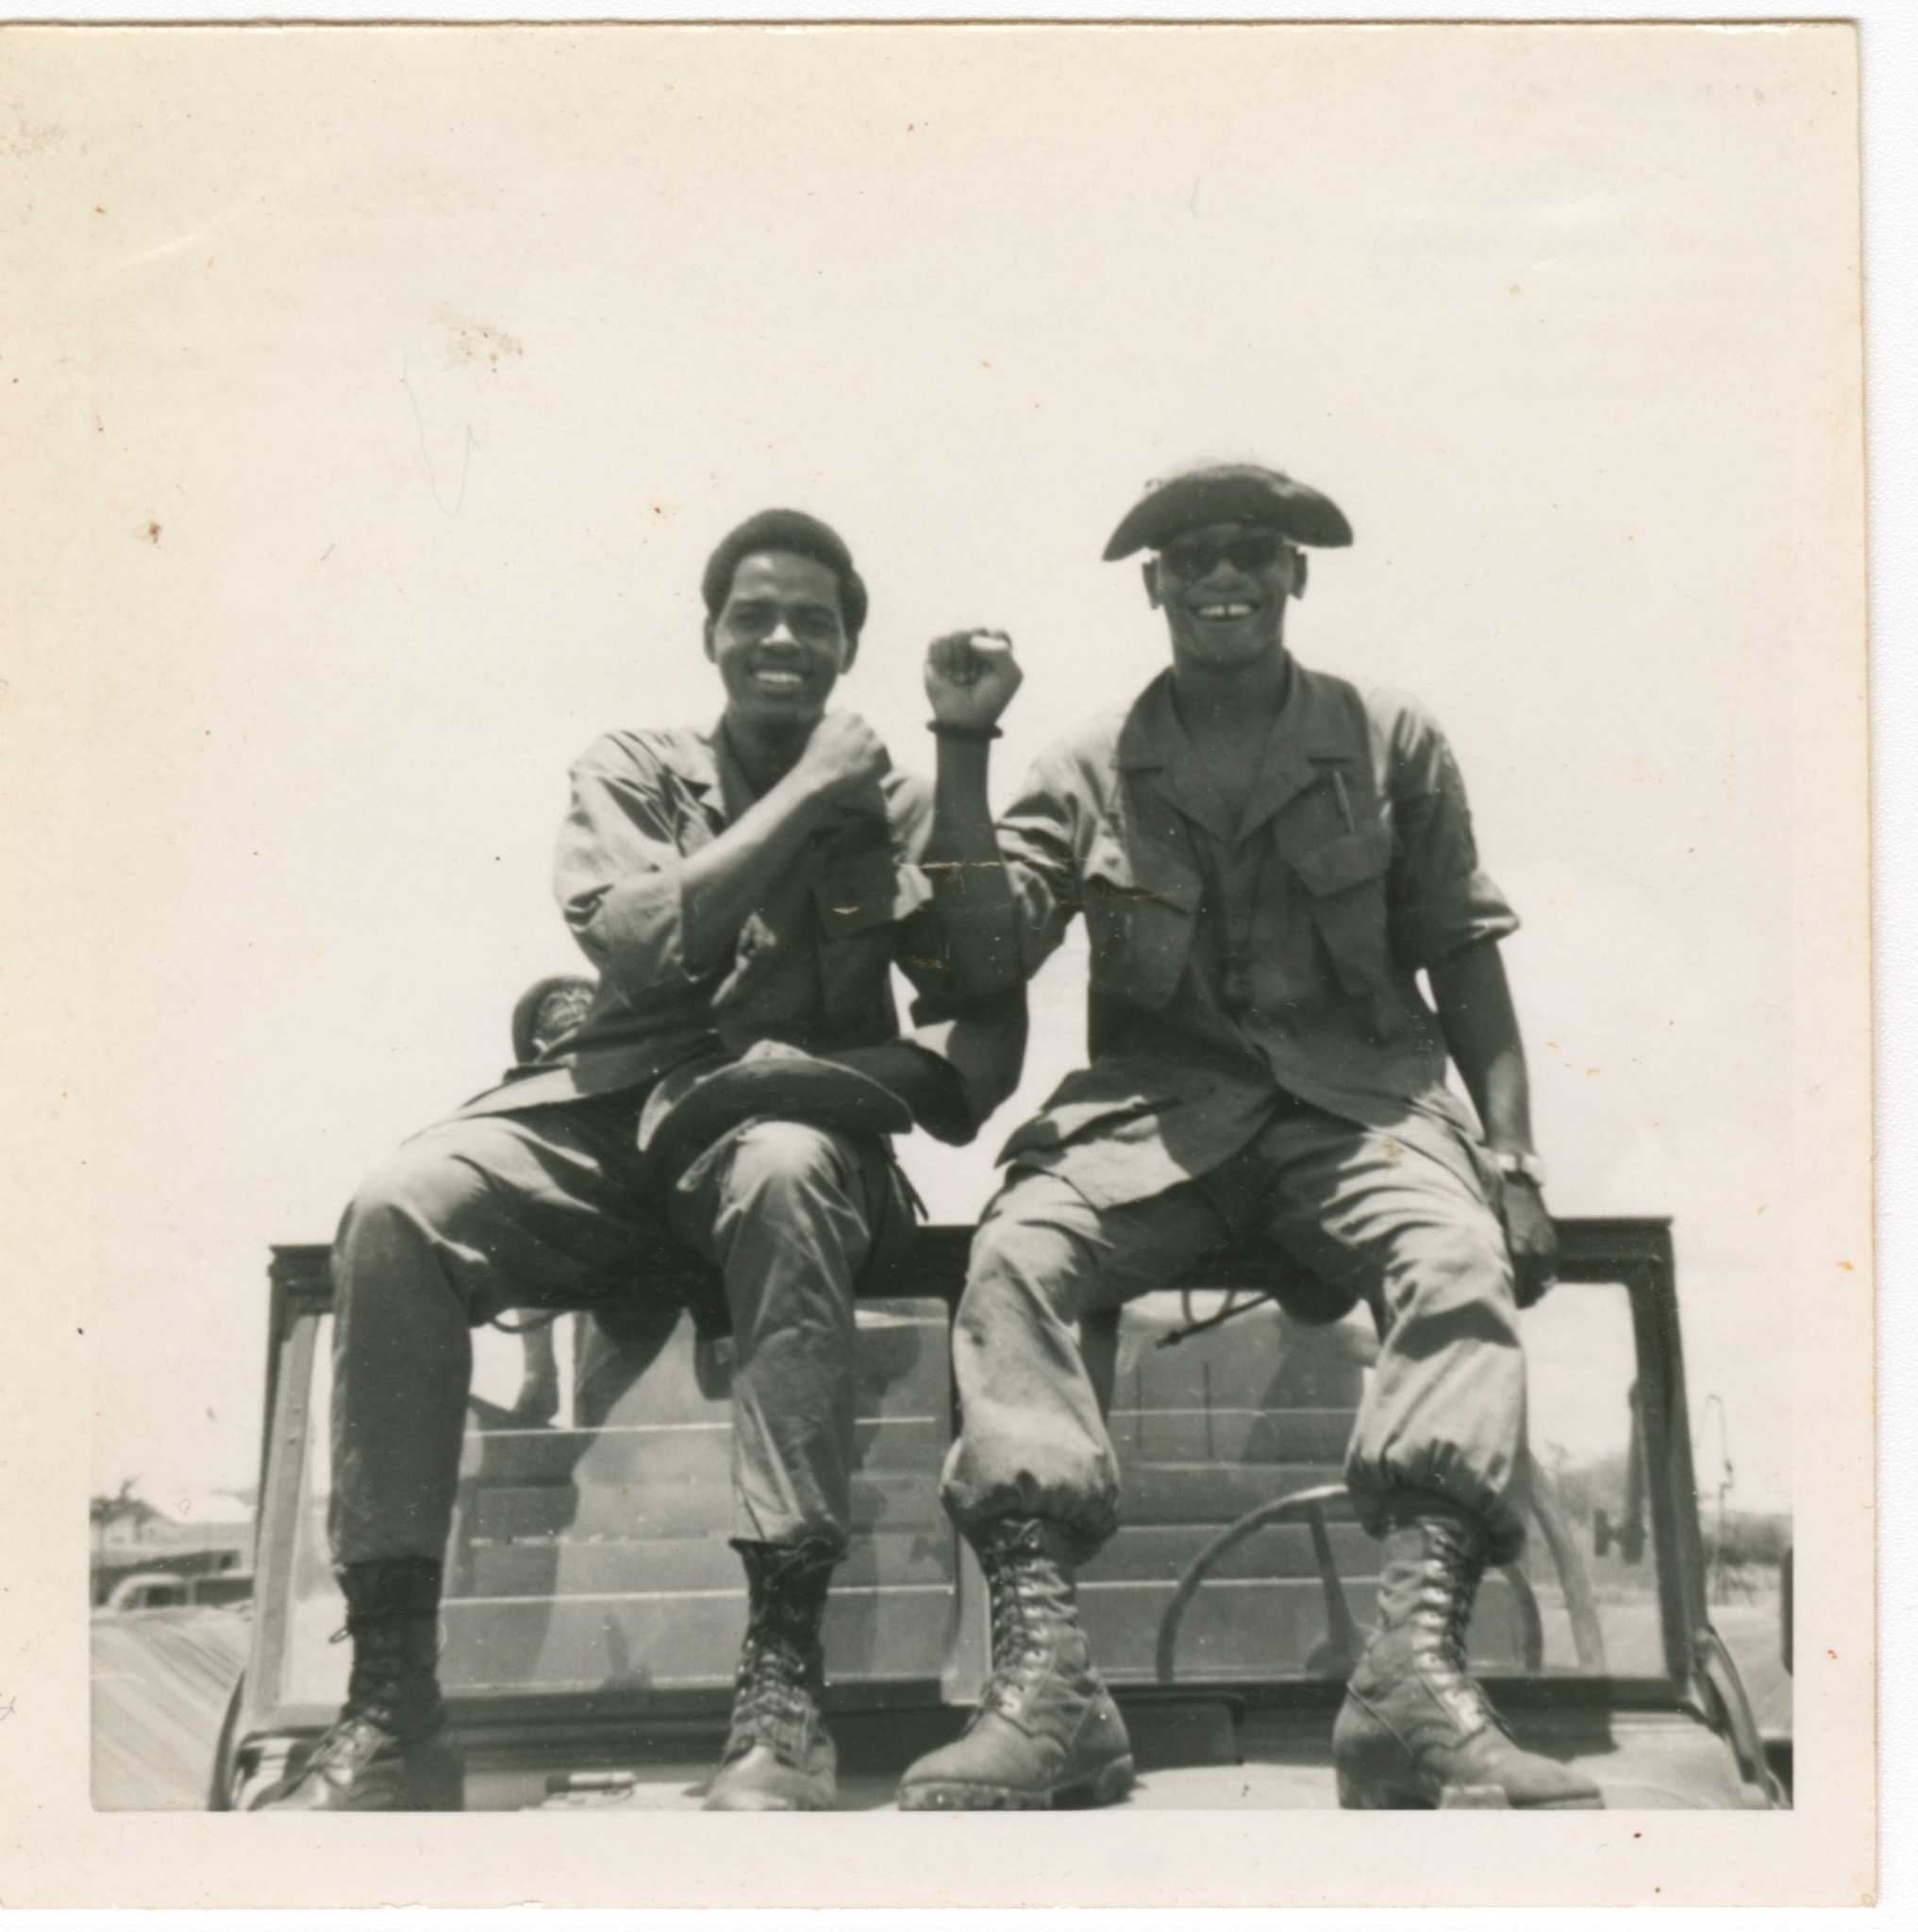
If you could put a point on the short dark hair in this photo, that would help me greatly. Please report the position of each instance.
(790, 530)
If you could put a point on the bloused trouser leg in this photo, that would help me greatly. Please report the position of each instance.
(1033, 1483)
(1437, 1464)
(1407, 1225)
(1046, 1262)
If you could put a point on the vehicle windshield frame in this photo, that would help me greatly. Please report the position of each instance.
(1634, 1253)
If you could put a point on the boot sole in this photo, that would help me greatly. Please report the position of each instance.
(1106, 1786)
(1376, 1772)
(740, 1806)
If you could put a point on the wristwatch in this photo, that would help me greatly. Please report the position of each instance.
(1519, 1167)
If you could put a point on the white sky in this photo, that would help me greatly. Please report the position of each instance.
(440, 363)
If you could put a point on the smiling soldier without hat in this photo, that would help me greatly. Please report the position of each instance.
(1266, 859)
(743, 892)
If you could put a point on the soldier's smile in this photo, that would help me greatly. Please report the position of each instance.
(1223, 588)
(779, 640)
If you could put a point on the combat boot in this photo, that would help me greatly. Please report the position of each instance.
(778, 1754)
(1046, 1732)
(1415, 1731)
(387, 1752)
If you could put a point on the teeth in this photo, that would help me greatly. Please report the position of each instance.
(780, 680)
(1224, 610)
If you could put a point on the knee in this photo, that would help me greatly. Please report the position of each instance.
(1015, 1263)
(1461, 1267)
(416, 1189)
(1483, 1257)
(1036, 1225)
(782, 1161)
(1000, 1252)
(1475, 1249)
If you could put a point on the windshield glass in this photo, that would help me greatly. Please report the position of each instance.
(1237, 1419)
(596, 1557)
(590, 1553)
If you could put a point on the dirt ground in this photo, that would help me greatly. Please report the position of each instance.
(161, 1683)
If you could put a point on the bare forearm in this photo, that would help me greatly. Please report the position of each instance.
(971, 898)
(723, 882)
(1476, 1013)
(928, 1085)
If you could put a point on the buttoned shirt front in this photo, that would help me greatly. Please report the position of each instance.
(811, 966)
(1231, 964)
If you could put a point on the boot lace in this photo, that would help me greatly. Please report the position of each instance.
(771, 1704)
(392, 1679)
(1020, 1652)
(1017, 1653)
(1447, 1605)
(779, 1670)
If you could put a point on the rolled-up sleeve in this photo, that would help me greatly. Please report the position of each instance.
(1441, 898)
(617, 873)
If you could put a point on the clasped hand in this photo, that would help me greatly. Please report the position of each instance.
(970, 676)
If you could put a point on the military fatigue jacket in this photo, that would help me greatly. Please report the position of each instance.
(811, 966)
(1231, 964)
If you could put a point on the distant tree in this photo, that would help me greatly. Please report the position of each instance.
(1585, 1488)
(1749, 1537)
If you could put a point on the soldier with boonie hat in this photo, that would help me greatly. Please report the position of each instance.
(1229, 494)
(1267, 858)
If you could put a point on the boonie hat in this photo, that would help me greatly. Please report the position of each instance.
(1229, 494)
(771, 1080)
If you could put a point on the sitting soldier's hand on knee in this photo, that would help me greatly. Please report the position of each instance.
(1532, 1239)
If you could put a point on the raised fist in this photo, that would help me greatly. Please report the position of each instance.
(970, 677)
(843, 754)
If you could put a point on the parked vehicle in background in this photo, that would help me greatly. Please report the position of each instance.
(160, 1589)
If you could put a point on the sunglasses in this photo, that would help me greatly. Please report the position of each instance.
(1199, 557)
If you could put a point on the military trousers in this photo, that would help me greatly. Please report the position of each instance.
(552, 1208)
(1415, 1236)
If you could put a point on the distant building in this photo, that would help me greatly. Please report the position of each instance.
(206, 1531)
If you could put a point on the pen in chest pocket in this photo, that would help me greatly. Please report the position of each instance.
(1344, 799)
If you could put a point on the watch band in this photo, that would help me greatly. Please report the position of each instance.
(1519, 1167)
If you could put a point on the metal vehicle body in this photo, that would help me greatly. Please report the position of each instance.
(594, 1608)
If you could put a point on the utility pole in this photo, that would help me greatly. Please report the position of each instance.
(1721, 1568)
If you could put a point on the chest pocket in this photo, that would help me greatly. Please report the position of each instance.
(1345, 882)
(1140, 909)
